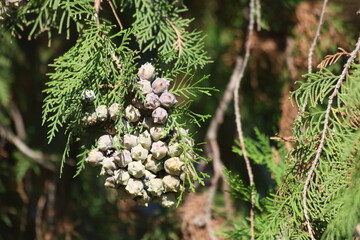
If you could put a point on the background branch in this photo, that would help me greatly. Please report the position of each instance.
(238, 115)
(39, 157)
(213, 150)
(18, 120)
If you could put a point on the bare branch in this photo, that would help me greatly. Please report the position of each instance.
(115, 14)
(39, 157)
(258, 15)
(323, 135)
(317, 34)
(218, 168)
(238, 116)
(97, 9)
(18, 120)
(218, 119)
(213, 150)
(283, 139)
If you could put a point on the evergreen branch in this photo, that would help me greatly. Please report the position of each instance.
(313, 44)
(238, 115)
(159, 25)
(342, 226)
(323, 136)
(97, 6)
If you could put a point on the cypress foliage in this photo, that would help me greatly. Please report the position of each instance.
(105, 62)
(328, 128)
(314, 193)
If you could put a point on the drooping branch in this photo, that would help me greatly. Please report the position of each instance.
(323, 136)
(238, 116)
(39, 157)
(213, 149)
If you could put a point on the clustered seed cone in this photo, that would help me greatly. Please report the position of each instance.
(147, 162)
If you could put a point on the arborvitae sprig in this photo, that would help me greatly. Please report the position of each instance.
(97, 91)
(159, 26)
(87, 65)
(332, 194)
(47, 16)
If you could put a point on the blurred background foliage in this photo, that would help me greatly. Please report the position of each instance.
(36, 204)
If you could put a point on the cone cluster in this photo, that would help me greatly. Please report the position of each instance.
(148, 163)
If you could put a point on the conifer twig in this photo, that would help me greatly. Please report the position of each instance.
(332, 59)
(323, 135)
(115, 14)
(97, 20)
(179, 43)
(238, 115)
(313, 44)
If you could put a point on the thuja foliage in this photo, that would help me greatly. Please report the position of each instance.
(332, 197)
(105, 61)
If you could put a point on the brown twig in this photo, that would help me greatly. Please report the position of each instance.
(179, 43)
(115, 14)
(38, 157)
(323, 135)
(331, 59)
(238, 116)
(283, 139)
